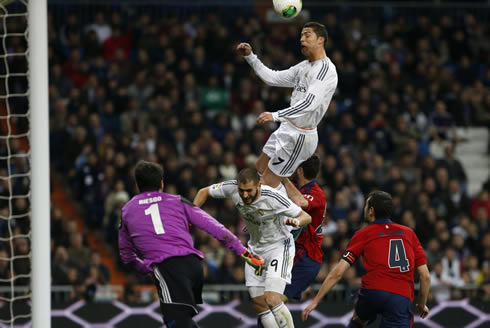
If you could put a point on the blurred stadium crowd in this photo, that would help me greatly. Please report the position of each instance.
(173, 90)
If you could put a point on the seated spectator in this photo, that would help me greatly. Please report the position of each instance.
(5, 275)
(443, 121)
(472, 270)
(453, 165)
(77, 252)
(101, 28)
(340, 209)
(456, 201)
(60, 266)
(213, 98)
(482, 201)
(225, 274)
(440, 284)
(433, 252)
(21, 261)
(118, 40)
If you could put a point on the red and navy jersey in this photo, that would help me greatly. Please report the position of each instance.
(309, 241)
(390, 253)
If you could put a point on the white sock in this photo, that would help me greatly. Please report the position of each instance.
(282, 189)
(283, 316)
(267, 319)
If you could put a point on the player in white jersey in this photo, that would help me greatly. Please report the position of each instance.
(314, 81)
(266, 213)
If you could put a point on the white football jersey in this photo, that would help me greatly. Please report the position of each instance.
(264, 217)
(313, 87)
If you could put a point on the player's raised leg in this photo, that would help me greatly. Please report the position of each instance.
(266, 175)
(270, 179)
(261, 163)
(270, 155)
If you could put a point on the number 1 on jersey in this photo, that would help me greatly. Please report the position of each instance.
(397, 257)
(154, 211)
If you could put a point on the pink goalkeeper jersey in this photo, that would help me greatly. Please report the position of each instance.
(155, 226)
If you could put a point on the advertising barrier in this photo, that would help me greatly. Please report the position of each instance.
(239, 314)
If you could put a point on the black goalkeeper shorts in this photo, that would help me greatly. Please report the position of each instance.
(179, 281)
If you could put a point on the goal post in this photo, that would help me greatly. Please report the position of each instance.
(25, 260)
(40, 181)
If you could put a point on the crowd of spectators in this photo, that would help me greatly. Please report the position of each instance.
(172, 89)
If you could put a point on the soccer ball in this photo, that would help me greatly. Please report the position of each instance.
(287, 8)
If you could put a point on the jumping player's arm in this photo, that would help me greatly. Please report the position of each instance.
(294, 194)
(284, 78)
(424, 277)
(206, 222)
(127, 250)
(353, 252)
(218, 190)
(320, 90)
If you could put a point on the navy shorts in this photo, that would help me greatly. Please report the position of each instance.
(304, 272)
(396, 310)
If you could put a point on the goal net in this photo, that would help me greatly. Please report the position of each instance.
(15, 163)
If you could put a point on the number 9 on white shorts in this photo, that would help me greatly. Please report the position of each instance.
(278, 265)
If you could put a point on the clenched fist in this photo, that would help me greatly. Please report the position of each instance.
(244, 49)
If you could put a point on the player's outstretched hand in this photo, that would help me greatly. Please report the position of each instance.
(309, 308)
(293, 222)
(264, 118)
(254, 260)
(244, 49)
(423, 311)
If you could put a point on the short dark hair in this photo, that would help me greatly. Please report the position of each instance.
(247, 175)
(319, 29)
(148, 176)
(311, 167)
(382, 203)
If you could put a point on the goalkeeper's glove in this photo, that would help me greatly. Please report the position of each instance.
(254, 260)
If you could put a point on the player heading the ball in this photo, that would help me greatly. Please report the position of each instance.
(314, 81)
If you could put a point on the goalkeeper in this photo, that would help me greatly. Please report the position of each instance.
(267, 213)
(154, 237)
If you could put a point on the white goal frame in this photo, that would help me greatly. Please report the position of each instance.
(40, 178)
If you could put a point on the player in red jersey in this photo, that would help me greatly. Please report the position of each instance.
(309, 254)
(390, 254)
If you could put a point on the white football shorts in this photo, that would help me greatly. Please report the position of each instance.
(278, 265)
(288, 147)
